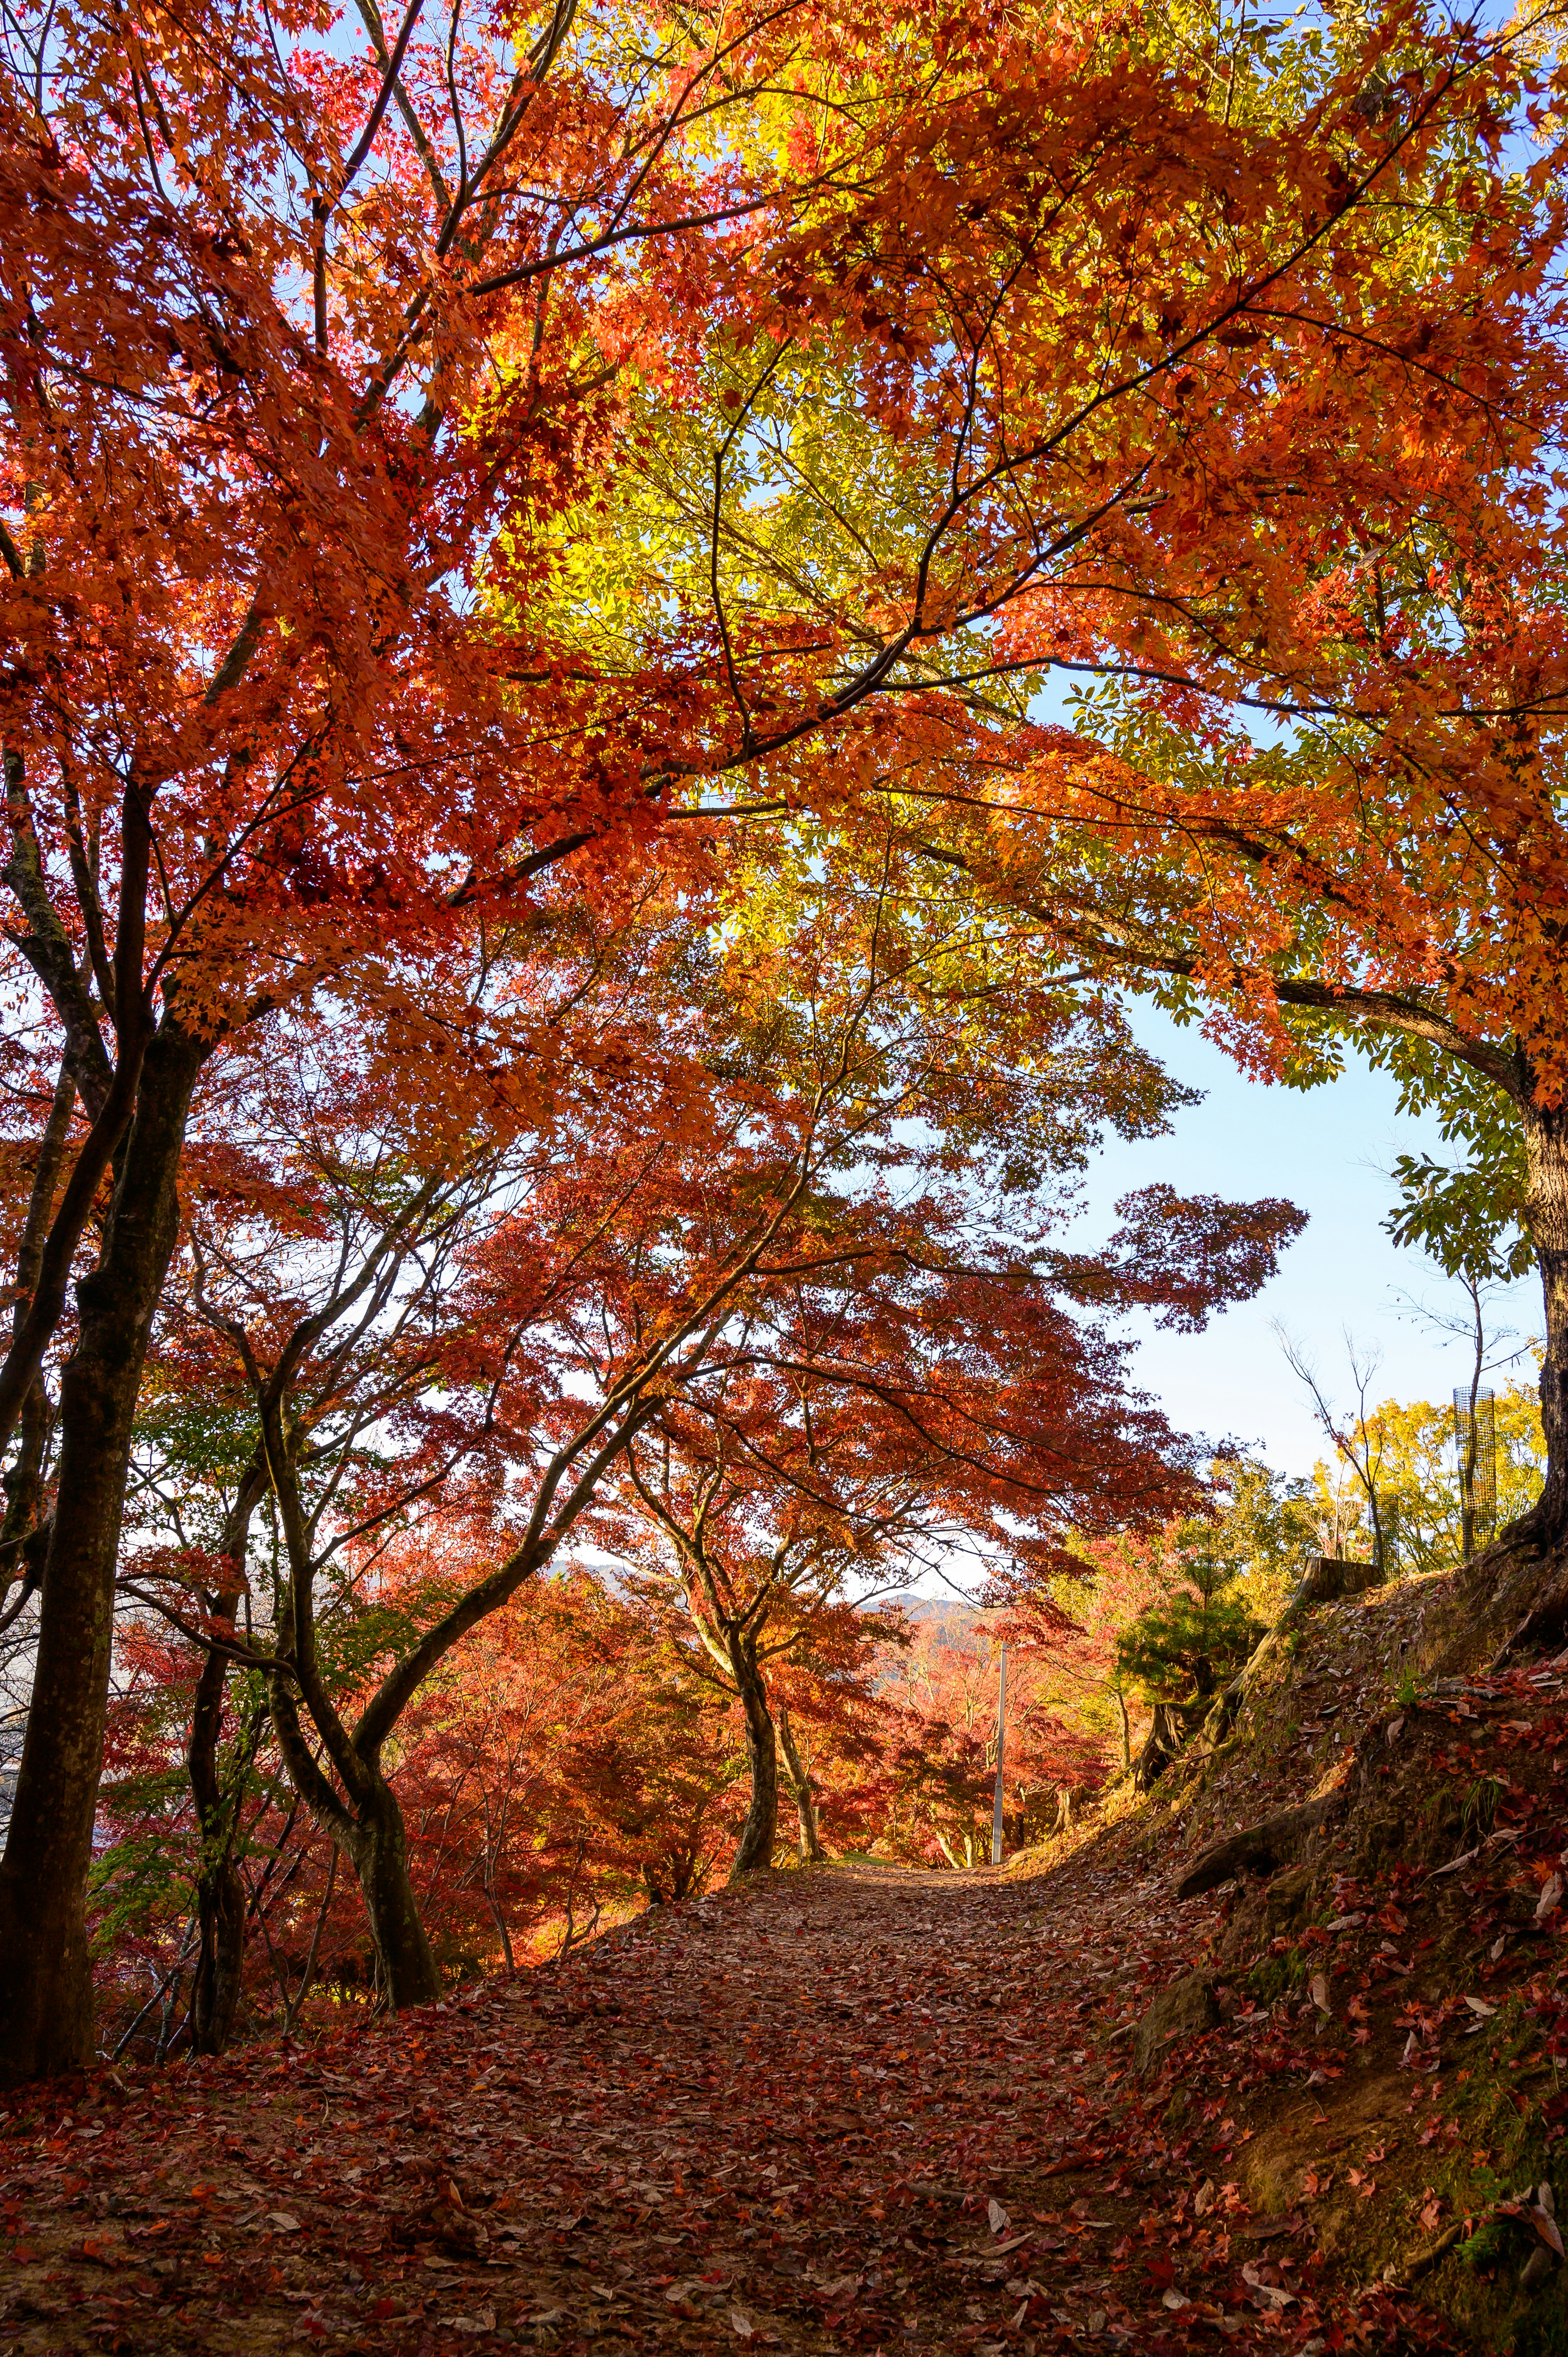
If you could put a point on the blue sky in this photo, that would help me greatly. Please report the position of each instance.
(1327, 1151)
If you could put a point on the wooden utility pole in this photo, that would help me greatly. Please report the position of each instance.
(1001, 1734)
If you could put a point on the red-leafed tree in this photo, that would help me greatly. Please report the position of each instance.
(563, 1767)
(1280, 503)
(932, 1411)
(562, 1763)
(304, 315)
(320, 351)
(945, 1687)
(744, 1250)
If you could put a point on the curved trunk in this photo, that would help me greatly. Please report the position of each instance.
(377, 1848)
(811, 1853)
(362, 1817)
(1163, 1745)
(45, 1986)
(367, 1825)
(761, 1827)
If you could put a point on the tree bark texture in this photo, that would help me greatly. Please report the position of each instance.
(1546, 1216)
(377, 1848)
(761, 1827)
(46, 1988)
(1162, 1746)
(24, 1481)
(219, 1891)
(220, 1954)
(811, 1852)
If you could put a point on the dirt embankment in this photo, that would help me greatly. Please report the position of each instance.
(1382, 2000)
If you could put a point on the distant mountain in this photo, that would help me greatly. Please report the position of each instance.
(953, 1621)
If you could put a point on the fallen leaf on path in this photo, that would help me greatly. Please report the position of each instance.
(1546, 2228)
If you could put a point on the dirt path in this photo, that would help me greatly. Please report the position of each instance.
(856, 2109)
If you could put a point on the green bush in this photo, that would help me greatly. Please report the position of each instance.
(1183, 1650)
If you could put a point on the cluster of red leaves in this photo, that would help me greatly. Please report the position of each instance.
(567, 1769)
(943, 1764)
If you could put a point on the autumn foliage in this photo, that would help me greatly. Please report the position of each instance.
(562, 977)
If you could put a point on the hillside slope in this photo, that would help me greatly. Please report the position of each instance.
(1379, 1997)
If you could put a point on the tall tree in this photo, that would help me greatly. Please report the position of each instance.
(312, 340)
(1280, 504)
(298, 313)
(924, 1418)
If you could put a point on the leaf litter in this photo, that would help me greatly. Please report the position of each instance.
(862, 2108)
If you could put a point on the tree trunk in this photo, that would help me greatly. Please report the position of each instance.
(46, 1986)
(220, 1958)
(1546, 1217)
(20, 1561)
(761, 1827)
(1163, 1746)
(377, 1847)
(1517, 1591)
(220, 1893)
(811, 1853)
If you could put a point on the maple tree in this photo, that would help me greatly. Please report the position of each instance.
(749, 1586)
(716, 1258)
(1353, 833)
(305, 683)
(562, 1769)
(366, 298)
(1281, 509)
(828, 1705)
(859, 1437)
